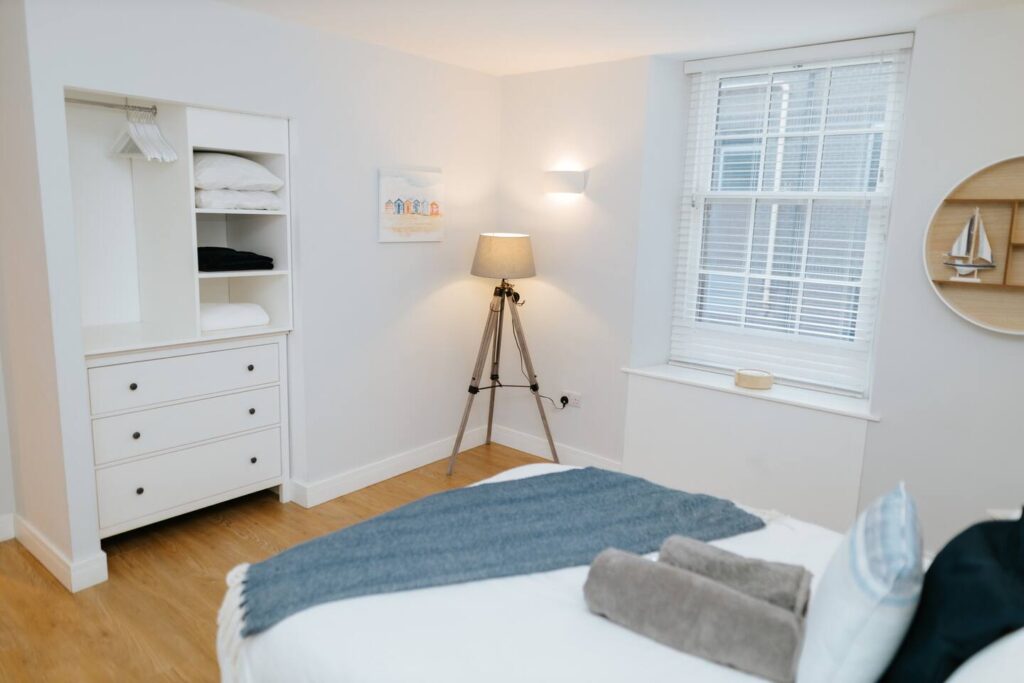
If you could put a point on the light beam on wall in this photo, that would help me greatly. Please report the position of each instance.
(565, 182)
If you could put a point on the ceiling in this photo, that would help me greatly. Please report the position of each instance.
(516, 36)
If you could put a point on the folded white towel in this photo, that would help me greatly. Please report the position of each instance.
(229, 316)
(237, 199)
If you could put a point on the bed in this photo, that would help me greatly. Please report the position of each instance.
(532, 627)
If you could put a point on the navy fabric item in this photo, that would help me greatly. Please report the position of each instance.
(524, 526)
(973, 595)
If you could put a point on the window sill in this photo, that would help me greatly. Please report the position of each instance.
(847, 406)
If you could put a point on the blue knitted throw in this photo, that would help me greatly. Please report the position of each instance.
(524, 526)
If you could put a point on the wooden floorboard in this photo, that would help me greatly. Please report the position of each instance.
(155, 619)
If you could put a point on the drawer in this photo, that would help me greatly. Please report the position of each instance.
(143, 383)
(163, 482)
(125, 436)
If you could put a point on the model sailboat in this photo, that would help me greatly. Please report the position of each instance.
(971, 251)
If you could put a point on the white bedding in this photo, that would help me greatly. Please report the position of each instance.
(521, 628)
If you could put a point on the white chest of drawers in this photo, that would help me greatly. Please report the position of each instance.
(178, 429)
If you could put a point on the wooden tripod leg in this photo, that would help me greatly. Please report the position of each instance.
(495, 363)
(481, 358)
(517, 328)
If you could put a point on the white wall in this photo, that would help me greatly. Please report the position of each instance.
(933, 371)
(763, 453)
(949, 393)
(579, 312)
(104, 217)
(8, 24)
(26, 345)
(6, 472)
(660, 202)
(380, 336)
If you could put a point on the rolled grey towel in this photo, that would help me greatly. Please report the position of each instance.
(785, 585)
(695, 614)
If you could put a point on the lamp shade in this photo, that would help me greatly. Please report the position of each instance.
(503, 256)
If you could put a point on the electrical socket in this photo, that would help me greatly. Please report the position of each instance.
(575, 400)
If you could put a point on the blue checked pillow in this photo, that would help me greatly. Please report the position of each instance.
(867, 597)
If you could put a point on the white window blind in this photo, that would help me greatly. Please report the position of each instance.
(789, 177)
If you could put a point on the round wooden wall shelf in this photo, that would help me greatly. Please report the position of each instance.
(992, 295)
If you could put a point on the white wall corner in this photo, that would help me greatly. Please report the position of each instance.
(6, 526)
(75, 576)
(567, 455)
(661, 191)
(310, 494)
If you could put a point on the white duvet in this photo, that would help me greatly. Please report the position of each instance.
(522, 628)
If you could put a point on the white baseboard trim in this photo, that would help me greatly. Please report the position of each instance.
(310, 494)
(535, 445)
(6, 526)
(75, 576)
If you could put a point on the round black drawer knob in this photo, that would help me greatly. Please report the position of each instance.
(139, 491)
(252, 411)
(251, 367)
(136, 435)
(253, 460)
(133, 386)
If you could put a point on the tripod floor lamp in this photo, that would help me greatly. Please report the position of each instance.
(503, 256)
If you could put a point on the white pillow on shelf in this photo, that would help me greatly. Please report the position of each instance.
(867, 596)
(218, 171)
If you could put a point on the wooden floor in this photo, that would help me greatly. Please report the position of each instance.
(155, 619)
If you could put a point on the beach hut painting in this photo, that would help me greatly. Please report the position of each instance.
(411, 204)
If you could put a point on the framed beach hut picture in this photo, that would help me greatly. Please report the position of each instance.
(411, 205)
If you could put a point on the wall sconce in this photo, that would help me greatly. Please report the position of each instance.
(565, 182)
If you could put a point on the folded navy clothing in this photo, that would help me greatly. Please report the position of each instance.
(235, 265)
(973, 595)
(224, 258)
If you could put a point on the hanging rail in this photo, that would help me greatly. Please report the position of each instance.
(111, 105)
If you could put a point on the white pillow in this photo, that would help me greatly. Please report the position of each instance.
(867, 596)
(216, 171)
(237, 199)
(1000, 662)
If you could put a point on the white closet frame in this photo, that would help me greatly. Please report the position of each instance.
(181, 418)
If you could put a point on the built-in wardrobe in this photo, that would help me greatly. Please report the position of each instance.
(181, 418)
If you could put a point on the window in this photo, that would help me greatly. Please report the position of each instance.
(789, 176)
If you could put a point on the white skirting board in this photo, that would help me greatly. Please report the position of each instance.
(75, 576)
(6, 526)
(538, 445)
(308, 494)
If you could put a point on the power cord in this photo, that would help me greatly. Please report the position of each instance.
(563, 402)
